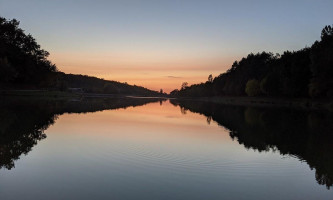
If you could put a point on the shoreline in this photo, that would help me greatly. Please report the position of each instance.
(65, 94)
(294, 103)
(273, 102)
(38, 94)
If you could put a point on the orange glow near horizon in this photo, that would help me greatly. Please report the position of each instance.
(149, 43)
(154, 72)
(147, 120)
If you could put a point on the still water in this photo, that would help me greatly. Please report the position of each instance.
(152, 149)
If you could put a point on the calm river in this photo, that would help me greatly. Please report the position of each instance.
(162, 149)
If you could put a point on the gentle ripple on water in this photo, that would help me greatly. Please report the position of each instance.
(143, 157)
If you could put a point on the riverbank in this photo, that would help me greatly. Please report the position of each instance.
(65, 94)
(39, 93)
(297, 103)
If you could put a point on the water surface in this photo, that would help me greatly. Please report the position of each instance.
(154, 149)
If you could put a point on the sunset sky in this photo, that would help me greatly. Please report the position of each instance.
(160, 44)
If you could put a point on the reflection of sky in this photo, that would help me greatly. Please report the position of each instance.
(139, 41)
(152, 152)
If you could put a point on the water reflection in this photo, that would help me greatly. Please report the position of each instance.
(305, 135)
(176, 146)
(23, 120)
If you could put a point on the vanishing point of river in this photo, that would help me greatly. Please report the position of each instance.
(155, 149)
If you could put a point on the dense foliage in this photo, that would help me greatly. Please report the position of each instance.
(22, 61)
(304, 73)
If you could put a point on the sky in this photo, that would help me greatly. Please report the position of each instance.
(160, 44)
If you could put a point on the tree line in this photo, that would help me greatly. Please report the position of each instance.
(25, 65)
(304, 73)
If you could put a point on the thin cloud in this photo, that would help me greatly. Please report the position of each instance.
(174, 77)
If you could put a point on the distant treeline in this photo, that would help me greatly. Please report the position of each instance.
(304, 73)
(90, 84)
(24, 65)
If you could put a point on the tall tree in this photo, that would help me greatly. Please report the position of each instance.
(21, 58)
(322, 65)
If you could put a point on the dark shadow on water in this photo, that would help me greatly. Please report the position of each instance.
(305, 135)
(24, 120)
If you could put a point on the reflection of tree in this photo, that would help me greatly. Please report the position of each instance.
(23, 121)
(306, 135)
(20, 130)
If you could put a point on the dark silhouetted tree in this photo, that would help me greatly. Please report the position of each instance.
(304, 73)
(210, 78)
(270, 85)
(321, 84)
(21, 59)
(184, 85)
(252, 88)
